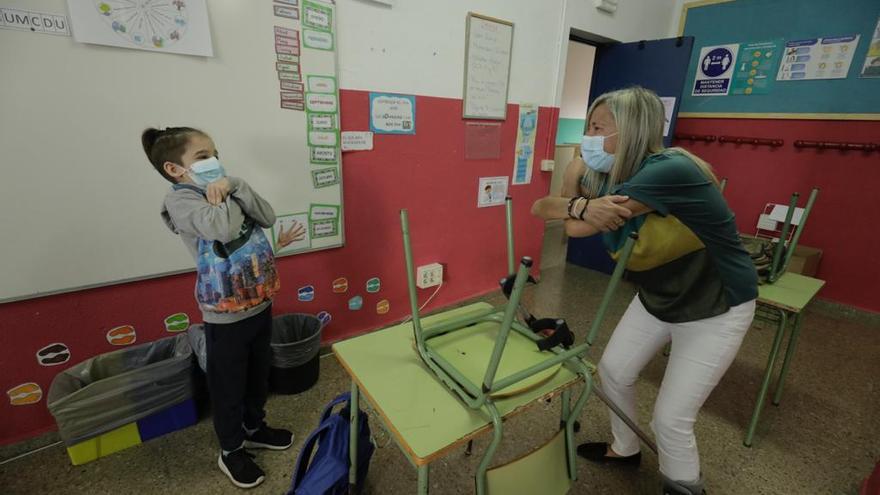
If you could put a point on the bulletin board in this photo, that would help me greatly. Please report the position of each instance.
(79, 201)
(487, 58)
(741, 21)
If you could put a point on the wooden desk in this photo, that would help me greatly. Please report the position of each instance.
(426, 420)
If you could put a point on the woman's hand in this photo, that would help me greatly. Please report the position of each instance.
(606, 213)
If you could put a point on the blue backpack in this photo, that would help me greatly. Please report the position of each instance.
(327, 472)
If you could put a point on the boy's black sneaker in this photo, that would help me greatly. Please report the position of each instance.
(269, 438)
(241, 469)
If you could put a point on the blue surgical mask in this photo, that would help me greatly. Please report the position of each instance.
(204, 172)
(594, 155)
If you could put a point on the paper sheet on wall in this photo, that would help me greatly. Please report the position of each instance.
(817, 58)
(525, 144)
(715, 70)
(871, 68)
(175, 26)
(482, 141)
(668, 110)
(491, 191)
(392, 113)
(756, 66)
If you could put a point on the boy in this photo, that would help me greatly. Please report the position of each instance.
(219, 220)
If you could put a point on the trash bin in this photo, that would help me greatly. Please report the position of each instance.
(296, 340)
(119, 399)
(196, 336)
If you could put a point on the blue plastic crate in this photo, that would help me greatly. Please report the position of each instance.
(172, 419)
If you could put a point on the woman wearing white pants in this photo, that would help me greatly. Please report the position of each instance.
(697, 284)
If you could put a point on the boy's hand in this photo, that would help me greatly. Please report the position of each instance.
(217, 191)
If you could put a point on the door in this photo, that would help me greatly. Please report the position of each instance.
(659, 65)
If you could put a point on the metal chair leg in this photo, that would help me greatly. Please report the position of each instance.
(765, 384)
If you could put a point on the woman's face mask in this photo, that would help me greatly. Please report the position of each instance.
(594, 154)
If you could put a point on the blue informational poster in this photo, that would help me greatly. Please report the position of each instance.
(755, 70)
(715, 70)
(392, 113)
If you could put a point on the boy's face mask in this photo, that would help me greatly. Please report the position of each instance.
(204, 172)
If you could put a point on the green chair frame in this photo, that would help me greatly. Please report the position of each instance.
(479, 396)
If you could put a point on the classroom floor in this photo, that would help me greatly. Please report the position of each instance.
(823, 439)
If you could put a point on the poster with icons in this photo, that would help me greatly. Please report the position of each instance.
(714, 70)
(871, 68)
(817, 58)
(755, 68)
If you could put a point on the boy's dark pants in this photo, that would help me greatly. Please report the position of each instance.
(239, 358)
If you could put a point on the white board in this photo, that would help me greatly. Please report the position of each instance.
(79, 202)
(488, 52)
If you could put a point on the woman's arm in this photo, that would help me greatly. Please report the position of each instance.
(605, 213)
(584, 228)
(579, 228)
(571, 179)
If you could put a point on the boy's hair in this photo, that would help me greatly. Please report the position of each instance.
(166, 145)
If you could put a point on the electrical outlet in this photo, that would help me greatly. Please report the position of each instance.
(430, 275)
(547, 165)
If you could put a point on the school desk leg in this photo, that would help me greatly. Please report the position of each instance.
(765, 384)
(789, 354)
(423, 479)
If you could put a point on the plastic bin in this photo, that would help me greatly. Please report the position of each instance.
(296, 340)
(117, 400)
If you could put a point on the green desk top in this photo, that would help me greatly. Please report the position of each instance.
(425, 417)
(791, 292)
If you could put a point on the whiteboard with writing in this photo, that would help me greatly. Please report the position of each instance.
(488, 52)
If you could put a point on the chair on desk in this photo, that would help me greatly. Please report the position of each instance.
(486, 354)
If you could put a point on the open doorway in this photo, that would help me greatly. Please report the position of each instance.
(572, 112)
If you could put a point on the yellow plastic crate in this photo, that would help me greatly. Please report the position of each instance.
(103, 445)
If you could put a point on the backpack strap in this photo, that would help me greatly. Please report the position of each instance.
(305, 456)
(344, 397)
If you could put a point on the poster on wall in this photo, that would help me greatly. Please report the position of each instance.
(34, 22)
(525, 144)
(753, 74)
(668, 111)
(715, 70)
(170, 27)
(487, 58)
(290, 233)
(871, 68)
(491, 191)
(392, 114)
(817, 58)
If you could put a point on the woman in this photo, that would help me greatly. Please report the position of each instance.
(696, 283)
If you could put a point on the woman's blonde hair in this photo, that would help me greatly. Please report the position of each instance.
(640, 117)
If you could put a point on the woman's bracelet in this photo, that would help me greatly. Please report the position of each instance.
(573, 205)
(570, 205)
(584, 209)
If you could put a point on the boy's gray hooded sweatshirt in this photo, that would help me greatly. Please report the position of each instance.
(187, 213)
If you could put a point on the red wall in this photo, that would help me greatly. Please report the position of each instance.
(842, 223)
(426, 173)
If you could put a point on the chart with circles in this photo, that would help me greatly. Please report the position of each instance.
(170, 26)
(159, 23)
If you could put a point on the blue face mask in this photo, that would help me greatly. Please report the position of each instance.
(204, 172)
(594, 155)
